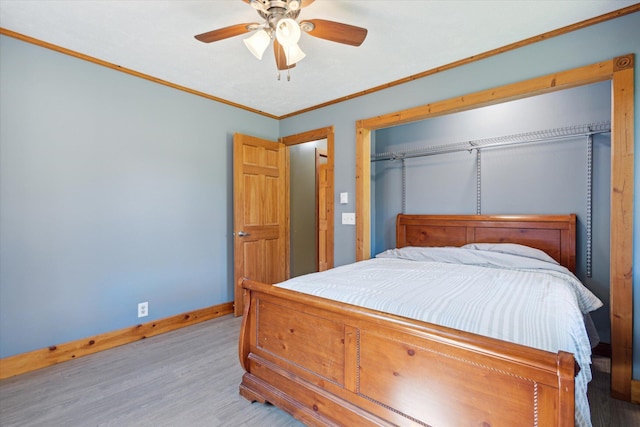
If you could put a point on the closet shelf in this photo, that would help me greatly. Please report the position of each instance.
(500, 141)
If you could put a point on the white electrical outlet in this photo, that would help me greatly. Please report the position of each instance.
(143, 309)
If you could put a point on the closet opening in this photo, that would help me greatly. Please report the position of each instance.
(620, 72)
(537, 155)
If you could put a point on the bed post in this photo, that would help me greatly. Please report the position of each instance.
(567, 370)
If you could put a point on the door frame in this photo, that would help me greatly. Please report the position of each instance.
(308, 136)
(620, 71)
(319, 153)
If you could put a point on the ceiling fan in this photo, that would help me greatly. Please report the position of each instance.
(281, 25)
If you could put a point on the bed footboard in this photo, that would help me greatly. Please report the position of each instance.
(329, 363)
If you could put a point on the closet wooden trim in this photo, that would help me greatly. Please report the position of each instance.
(621, 264)
(635, 391)
(620, 72)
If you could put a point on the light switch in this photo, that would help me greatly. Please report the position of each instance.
(349, 218)
(344, 198)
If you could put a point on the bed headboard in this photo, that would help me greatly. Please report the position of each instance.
(553, 234)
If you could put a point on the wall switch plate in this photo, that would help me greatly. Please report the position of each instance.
(344, 198)
(143, 309)
(349, 218)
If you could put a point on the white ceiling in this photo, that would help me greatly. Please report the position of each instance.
(406, 37)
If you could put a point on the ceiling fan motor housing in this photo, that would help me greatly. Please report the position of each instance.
(275, 10)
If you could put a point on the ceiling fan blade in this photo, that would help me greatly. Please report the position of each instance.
(281, 59)
(336, 32)
(224, 33)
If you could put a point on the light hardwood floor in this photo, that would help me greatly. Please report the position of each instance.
(187, 377)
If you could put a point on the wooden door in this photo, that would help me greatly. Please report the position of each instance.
(322, 211)
(260, 202)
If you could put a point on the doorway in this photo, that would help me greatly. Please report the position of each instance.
(311, 191)
(305, 198)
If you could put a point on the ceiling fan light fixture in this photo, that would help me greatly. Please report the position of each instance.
(294, 4)
(293, 54)
(258, 43)
(281, 27)
(287, 32)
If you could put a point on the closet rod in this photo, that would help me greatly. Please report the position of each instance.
(501, 141)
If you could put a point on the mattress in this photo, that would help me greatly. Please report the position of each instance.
(511, 293)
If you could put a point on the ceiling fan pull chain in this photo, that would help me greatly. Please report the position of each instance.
(278, 75)
(288, 75)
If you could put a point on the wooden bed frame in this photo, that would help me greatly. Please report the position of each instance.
(330, 363)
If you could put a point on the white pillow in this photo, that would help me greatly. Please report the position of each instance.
(512, 249)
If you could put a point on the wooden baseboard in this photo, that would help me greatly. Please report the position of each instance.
(604, 349)
(635, 391)
(37, 359)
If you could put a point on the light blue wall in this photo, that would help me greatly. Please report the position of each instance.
(543, 178)
(586, 46)
(114, 190)
(50, 298)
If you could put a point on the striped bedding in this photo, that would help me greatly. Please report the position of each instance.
(510, 297)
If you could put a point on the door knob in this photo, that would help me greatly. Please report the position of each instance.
(243, 234)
